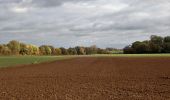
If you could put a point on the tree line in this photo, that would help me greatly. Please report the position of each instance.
(156, 44)
(18, 48)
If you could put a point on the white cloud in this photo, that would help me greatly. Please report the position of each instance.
(19, 9)
(85, 22)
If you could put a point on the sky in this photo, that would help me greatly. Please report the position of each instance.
(69, 23)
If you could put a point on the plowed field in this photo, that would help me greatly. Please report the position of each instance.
(89, 78)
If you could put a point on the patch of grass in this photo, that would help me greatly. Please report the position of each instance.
(6, 61)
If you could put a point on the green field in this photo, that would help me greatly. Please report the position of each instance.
(6, 61)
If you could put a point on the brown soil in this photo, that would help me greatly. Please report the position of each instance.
(89, 79)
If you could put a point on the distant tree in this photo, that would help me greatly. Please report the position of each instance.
(155, 48)
(88, 50)
(128, 50)
(30, 49)
(48, 50)
(14, 46)
(58, 51)
(1, 49)
(23, 49)
(80, 50)
(166, 48)
(167, 39)
(64, 51)
(156, 40)
(72, 51)
(166, 45)
(135, 44)
(35, 50)
(4, 50)
(156, 44)
(141, 47)
(109, 49)
(45, 50)
(93, 49)
(102, 51)
(53, 52)
(42, 50)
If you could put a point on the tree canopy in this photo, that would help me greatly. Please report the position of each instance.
(156, 44)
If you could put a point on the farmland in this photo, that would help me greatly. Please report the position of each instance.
(8, 61)
(99, 77)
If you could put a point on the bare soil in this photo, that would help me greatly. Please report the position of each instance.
(119, 78)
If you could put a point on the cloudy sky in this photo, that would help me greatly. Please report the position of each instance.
(106, 23)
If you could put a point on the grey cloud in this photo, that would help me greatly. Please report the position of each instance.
(52, 3)
(83, 22)
(9, 1)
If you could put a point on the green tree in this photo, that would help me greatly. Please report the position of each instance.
(30, 49)
(64, 51)
(4, 50)
(167, 39)
(128, 50)
(48, 50)
(80, 50)
(23, 49)
(155, 48)
(102, 51)
(156, 39)
(93, 49)
(45, 50)
(72, 51)
(35, 50)
(58, 51)
(141, 47)
(156, 44)
(42, 50)
(14, 46)
(166, 45)
(53, 52)
(1, 48)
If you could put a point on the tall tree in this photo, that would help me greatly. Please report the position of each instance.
(166, 45)
(80, 50)
(93, 49)
(141, 47)
(156, 44)
(35, 50)
(156, 39)
(128, 50)
(58, 51)
(64, 51)
(14, 46)
(72, 51)
(53, 52)
(23, 49)
(42, 50)
(45, 50)
(1, 48)
(4, 50)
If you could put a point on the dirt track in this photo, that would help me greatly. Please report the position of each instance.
(89, 79)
